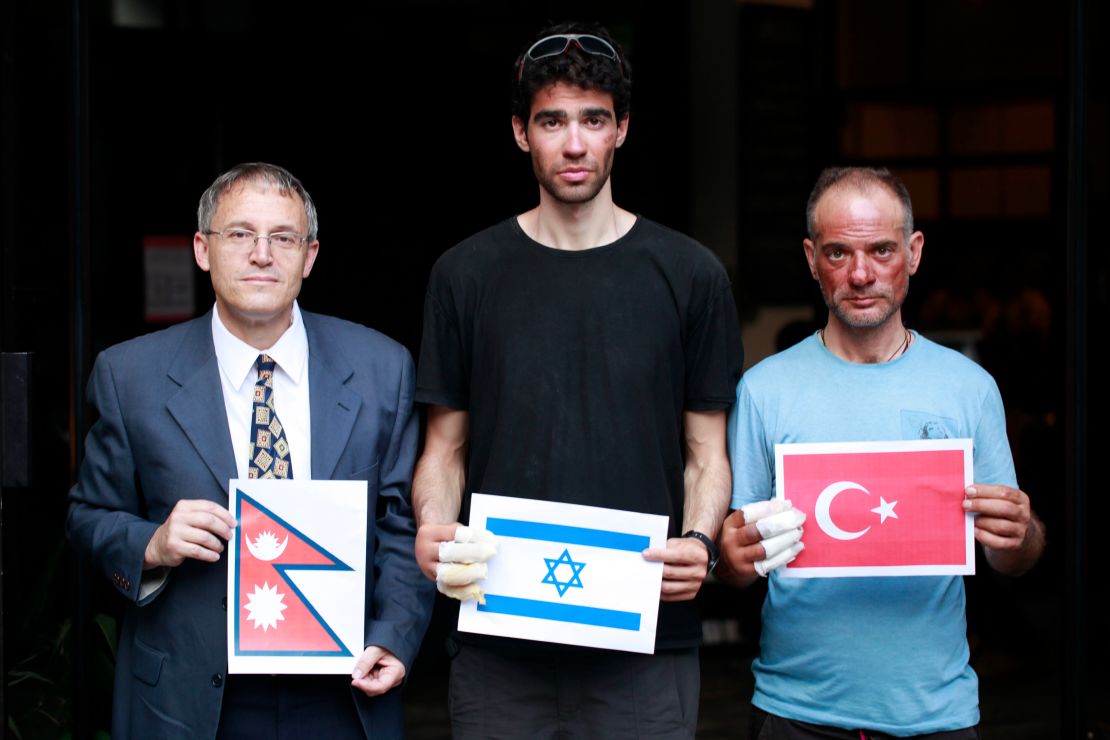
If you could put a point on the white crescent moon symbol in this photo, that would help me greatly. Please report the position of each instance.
(821, 510)
(267, 553)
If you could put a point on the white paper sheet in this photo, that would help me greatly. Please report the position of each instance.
(296, 576)
(569, 574)
(879, 508)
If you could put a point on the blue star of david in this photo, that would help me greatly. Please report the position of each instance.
(573, 582)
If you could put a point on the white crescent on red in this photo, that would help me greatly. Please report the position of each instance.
(824, 503)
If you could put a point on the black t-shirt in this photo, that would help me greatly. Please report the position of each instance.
(576, 368)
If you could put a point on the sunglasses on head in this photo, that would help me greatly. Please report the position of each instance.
(553, 46)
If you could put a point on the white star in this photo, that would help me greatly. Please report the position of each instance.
(885, 510)
(265, 607)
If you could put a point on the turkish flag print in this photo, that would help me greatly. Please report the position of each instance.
(880, 508)
(274, 616)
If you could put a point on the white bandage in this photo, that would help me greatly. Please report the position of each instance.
(763, 567)
(772, 546)
(466, 552)
(780, 526)
(762, 509)
(460, 574)
(463, 562)
(471, 591)
(776, 524)
(471, 545)
(464, 533)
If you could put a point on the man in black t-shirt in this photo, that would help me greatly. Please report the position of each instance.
(579, 353)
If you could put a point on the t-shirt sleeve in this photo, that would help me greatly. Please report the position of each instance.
(714, 353)
(994, 464)
(442, 378)
(749, 453)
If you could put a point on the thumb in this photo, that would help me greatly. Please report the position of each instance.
(366, 661)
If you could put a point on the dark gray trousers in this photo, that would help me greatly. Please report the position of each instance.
(562, 695)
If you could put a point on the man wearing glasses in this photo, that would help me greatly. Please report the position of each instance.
(578, 353)
(179, 414)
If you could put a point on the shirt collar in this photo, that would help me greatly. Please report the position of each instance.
(236, 358)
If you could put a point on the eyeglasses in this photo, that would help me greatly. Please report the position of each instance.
(553, 46)
(245, 239)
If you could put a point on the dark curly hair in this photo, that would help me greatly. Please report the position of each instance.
(574, 67)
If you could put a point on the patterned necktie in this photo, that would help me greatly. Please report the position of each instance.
(269, 454)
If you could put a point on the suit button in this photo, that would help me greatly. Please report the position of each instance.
(217, 680)
(223, 603)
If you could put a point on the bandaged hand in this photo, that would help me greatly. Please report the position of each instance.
(780, 526)
(462, 562)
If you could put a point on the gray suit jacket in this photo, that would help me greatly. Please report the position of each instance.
(162, 436)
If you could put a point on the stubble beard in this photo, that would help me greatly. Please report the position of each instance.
(868, 318)
(576, 193)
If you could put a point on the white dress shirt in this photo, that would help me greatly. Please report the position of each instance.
(238, 375)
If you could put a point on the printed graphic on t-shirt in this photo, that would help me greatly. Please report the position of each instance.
(923, 425)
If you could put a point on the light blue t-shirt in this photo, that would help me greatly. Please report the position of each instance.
(887, 654)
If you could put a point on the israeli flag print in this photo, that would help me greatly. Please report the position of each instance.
(569, 574)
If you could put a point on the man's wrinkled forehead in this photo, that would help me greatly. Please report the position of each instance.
(855, 202)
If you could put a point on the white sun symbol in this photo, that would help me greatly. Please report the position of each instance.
(265, 607)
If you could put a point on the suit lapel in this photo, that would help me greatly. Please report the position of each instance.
(198, 406)
(334, 406)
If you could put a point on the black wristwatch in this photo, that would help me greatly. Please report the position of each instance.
(714, 554)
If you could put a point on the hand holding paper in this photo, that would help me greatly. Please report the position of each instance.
(462, 561)
(759, 537)
(1012, 535)
(780, 526)
(196, 528)
(684, 567)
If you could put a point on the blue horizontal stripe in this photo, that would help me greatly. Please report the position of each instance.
(561, 612)
(568, 535)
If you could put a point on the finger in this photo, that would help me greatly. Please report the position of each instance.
(757, 510)
(784, 521)
(772, 546)
(998, 542)
(209, 507)
(460, 574)
(203, 540)
(683, 571)
(464, 533)
(197, 544)
(177, 551)
(366, 661)
(679, 590)
(735, 532)
(384, 677)
(764, 567)
(466, 552)
(986, 492)
(207, 521)
(427, 557)
(1000, 527)
(469, 592)
(681, 550)
(990, 490)
(997, 508)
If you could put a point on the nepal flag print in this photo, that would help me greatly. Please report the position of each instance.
(296, 592)
(879, 508)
